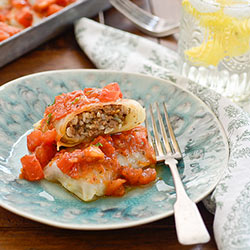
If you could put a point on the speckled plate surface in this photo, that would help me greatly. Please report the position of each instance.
(200, 135)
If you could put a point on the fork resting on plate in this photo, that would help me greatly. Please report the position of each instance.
(190, 227)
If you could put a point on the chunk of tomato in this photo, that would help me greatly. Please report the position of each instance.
(19, 3)
(93, 154)
(148, 175)
(111, 92)
(132, 175)
(44, 153)
(105, 144)
(3, 35)
(52, 9)
(37, 138)
(114, 87)
(138, 176)
(31, 170)
(66, 163)
(3, 15)
(24, 17)
(34, 139)
(49, 137)
(42, 5)
(115, 188)
(11, 30)
(64, 2)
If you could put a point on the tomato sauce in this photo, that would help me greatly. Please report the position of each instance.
(132, 141)
(98, 156)
(73, 101)
(6, 30)
(19, 14)
(101, 154)
(90, 160)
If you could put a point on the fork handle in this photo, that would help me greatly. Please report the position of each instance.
(190, 227)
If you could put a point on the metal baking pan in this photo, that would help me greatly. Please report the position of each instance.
(48, 28)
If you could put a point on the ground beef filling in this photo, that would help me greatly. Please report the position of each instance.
(97, 121)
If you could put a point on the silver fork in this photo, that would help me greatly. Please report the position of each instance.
(149, 24)
(190, 227)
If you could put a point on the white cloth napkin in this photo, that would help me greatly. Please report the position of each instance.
(109, 48)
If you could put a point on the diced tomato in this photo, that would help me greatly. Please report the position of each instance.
(37, 138)
(34, 139)
(134, 140)
(66, 162)
(108, 96)
(138, 176)
(64, 2)
(2, 17)
(49, 137)
(19, 3)
(44, 153)
(22, 12)
(42, 5)
(6, 30)
(114, 87)
(148, 175)
(93, 153)
(111, 92)
(68, 159)
(3, 14)
(115, 188)
(122, 143)
(24, 17)
(105, 144)
(132, 175)
(3, 35)
(31, 170)
(9, 29)
(70, 162)
(73, 101)
(53, 8)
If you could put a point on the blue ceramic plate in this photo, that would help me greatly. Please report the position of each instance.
(200, 135)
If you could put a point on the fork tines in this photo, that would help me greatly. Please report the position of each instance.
(164, 143)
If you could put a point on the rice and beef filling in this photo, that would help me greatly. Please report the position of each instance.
(97, 121)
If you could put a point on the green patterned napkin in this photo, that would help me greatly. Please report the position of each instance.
(109, 48)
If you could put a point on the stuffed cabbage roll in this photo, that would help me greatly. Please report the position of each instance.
(104, 166)
(83, 115)
(104, 150)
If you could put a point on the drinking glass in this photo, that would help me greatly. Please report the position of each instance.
(214, 45)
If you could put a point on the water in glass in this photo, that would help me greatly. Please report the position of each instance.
(214, 45)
